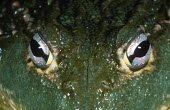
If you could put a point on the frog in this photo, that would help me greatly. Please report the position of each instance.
(88, 40)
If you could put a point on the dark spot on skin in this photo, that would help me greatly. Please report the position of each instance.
(29, 60)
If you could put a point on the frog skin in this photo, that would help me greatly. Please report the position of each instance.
(86, 36)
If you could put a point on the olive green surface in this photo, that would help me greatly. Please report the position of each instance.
(87, 35)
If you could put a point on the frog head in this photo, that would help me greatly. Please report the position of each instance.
(88, 61)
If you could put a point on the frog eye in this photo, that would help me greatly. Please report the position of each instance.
(138, 53)
(39, 52)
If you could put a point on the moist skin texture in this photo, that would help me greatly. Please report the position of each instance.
(87, 72)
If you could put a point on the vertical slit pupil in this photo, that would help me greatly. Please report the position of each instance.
(38, 52)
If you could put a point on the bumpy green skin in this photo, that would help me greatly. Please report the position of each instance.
(90, 32)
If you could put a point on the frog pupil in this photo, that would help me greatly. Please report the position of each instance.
(37, 50)
(140, 50)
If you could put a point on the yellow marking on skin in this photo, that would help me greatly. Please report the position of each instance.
(7, 103)
(149, 67)
(53, 66)
(126, 60)
(50, 59)
(165, 106)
